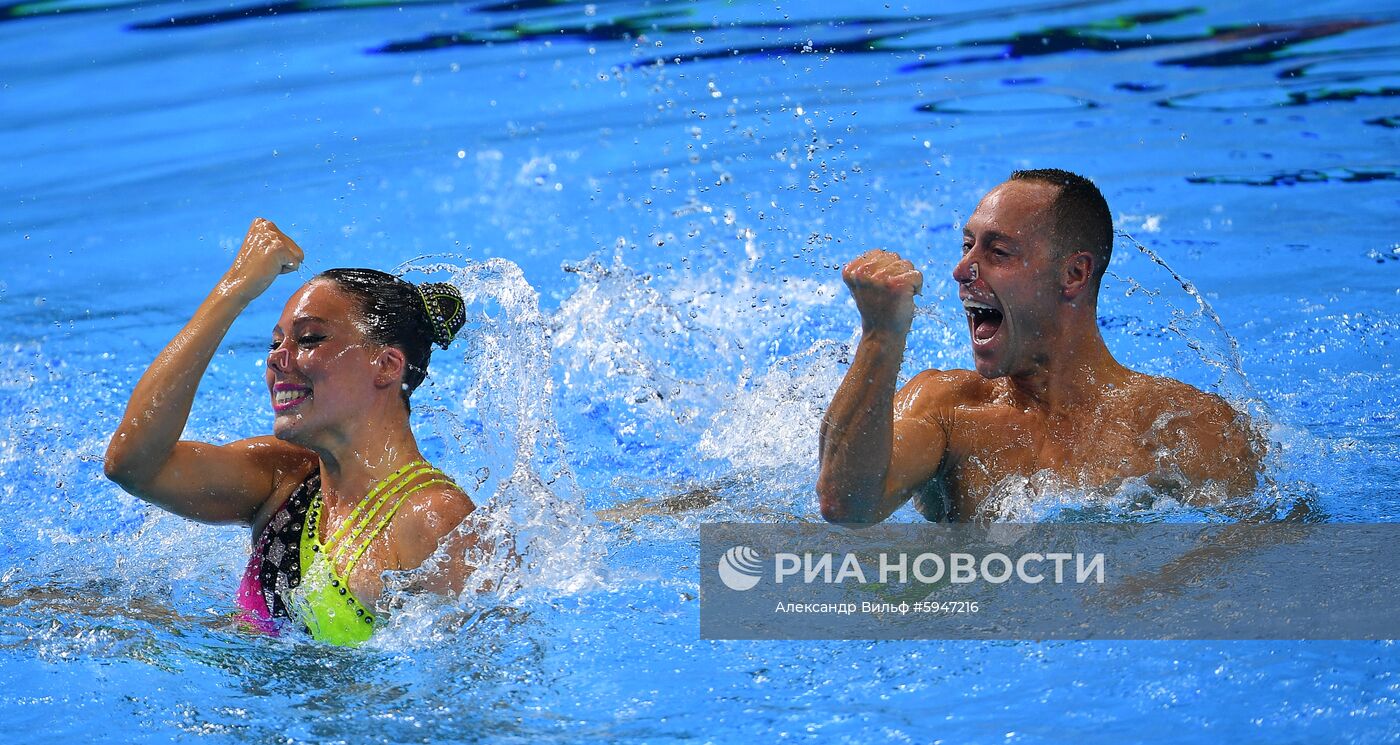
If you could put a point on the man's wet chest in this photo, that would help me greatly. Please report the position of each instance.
(991, 447)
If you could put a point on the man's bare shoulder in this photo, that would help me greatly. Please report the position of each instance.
(1210, 439)
(933, 389)
(1165, 399)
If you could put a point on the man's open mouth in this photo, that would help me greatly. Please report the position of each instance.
(984, 319)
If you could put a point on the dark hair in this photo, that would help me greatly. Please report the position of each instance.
(1082, 219)
(397, 313)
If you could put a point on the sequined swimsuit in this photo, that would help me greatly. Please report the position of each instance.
(274, 567)
(291, 574)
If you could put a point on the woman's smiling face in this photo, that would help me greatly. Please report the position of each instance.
(320, 368)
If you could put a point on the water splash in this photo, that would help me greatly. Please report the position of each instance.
(1047, 497)
(1196, 327)
(532, 538)
(651, 363)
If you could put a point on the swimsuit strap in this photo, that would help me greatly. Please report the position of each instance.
(383, 521)
(374, 493)
(327, 607)
(378, 496)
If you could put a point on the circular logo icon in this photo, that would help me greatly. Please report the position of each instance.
(740, 568)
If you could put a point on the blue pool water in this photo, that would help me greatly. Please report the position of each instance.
(647, 203)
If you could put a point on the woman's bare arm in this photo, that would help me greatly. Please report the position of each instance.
(197, 480)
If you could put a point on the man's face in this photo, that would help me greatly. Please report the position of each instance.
(1007, 277)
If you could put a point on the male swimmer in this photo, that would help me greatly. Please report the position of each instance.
(1047, 395)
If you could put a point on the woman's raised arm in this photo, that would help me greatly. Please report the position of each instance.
(211, 483)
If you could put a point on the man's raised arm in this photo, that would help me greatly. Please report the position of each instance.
(868, 469)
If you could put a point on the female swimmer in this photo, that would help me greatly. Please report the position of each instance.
(339, 493)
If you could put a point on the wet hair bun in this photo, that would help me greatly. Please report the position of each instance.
(446, 311)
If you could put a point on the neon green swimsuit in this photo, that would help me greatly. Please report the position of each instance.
(323, 601)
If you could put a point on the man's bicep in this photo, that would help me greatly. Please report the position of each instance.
(919, 439)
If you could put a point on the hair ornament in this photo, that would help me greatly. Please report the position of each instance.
(446, 311)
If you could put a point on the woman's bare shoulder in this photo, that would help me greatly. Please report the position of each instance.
(286, 465)
(429, 514)
(283, 459)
